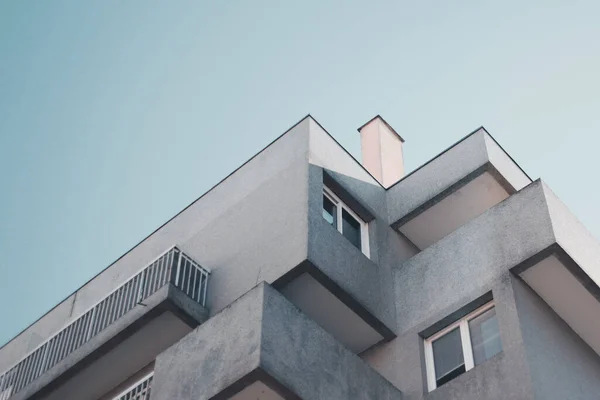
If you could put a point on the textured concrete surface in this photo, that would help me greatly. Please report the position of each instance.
(215, 355)
(573, 237)
(259, 210)
(506, 166)
(262, 330)
(437, 175)
(253, 226)
(473, 256)
(562, 365)
(366, 279)
(468, 263)
(476, 258)
(473, 155)
(265, 220)
(341, 261)
(506, 376)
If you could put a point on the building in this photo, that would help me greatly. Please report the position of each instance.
(306, 275)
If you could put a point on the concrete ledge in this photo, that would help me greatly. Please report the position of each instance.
(262, 338)
(531, 235)
(335, 289)
(450, 171)
(453, 188)
(487, 247)
(166, 299)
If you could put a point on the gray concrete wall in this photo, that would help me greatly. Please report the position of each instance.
(215, 355)
(472, 257)
(260, 238)
(440, 280)
(505, 165)
(266, 218)
(436, 176)
(573, 237)
(449, 168)
(251, 227)
(505, 376)
(562, 365)
(263, 330)
(369, 280)
(310, 362)
(326, 153)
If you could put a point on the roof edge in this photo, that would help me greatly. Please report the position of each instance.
(156, 230)
(480, 128)
(307, 116)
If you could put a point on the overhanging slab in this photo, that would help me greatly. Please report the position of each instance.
(453, 188)
(567, 289)
(261, 345)
(120, 350)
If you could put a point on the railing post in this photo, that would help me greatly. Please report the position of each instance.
(141, 286)
(44, 358)
(4, 386)
(83, 328)
(88, 334)
(178, 269)
(205, 287)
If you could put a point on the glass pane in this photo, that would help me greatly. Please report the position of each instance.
(329, 211)
(448, 357)
(485, 336)
(351, 228)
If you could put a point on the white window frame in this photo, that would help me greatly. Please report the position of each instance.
(364, 226)
(465, 336)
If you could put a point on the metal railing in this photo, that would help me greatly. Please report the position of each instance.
(173, 266)
(139, 391)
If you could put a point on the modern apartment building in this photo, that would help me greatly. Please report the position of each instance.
(308, 275)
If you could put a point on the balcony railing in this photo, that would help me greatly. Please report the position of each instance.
(139, 391)
(172, 266)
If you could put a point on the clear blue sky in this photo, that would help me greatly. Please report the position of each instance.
(114, 115)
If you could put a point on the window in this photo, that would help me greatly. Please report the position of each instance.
(462, 345)
(345, 221)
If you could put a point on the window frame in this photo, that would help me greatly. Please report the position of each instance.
(465, 338)
(339, 206)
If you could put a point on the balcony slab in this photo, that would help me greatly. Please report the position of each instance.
(532, 235)
(453, 188)
(120, 350)
(263, 347)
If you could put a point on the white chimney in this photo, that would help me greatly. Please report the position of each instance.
(382, 151)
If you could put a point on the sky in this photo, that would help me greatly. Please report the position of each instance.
(115, 115)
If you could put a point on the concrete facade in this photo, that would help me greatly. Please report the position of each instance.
(261, 336)
(295, 310)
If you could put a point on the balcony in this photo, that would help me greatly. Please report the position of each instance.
(338, 286)
(138, 391)
(261, 347)
(453, 188)
(171, 286)
(531, 235)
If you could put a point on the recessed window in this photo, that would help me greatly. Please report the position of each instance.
(342, 218)
(462, 345)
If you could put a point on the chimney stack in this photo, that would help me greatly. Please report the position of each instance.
(382, 151)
